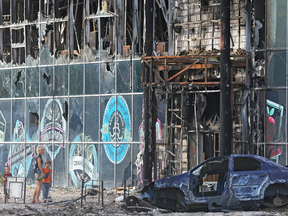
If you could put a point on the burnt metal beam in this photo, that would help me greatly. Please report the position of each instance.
(1, 31)
(71, 29)
(87, 22)
(27, 10)
(147, 112)
(225, 81)
(56, 6)
(13, 11)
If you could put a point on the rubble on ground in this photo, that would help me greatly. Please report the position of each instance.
(93, 207)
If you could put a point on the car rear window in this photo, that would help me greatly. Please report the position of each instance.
(246, 164)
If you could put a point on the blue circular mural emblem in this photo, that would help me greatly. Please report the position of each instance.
(116, 127)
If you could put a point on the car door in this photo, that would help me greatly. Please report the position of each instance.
(247, 178)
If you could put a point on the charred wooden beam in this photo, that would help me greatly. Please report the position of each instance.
(225, 81)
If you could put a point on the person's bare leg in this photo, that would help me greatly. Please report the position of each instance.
(6, 198)
(34, 194)
(39, 185)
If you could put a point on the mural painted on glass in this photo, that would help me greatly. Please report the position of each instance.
(20, 163)
(274, 114)
(56, 132)
(116, 127)
(76, 161)
(139, 160)
(2, 128)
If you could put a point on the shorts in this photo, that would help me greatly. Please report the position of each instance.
(38, 176)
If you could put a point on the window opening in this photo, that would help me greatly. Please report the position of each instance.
(210, 178)
(246, 164)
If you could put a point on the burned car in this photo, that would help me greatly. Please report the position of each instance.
(237, 181)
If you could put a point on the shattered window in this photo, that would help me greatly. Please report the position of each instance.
(107, 77)
(276, 68)
(47, 44)
(5, 121)
(61, 80)
(18, 121)
(18, 82)
(92, 78)
(46, 84)
(137, 76)
(32, 119)
(246, 164)
(124, 77)
(137, 119)
(5, 83)
(76, 79)
(32, 82)
(75, 118)
(92, 118)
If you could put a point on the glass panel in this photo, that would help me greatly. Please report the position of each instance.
(46, 83)
(92, 118)
(32, 82)
(76, 163)
(5, 121)
(137, 76)
(53, 111)
(122, 132)
(107, 151)
(4, 152)
(276, 23)
(61, 80)
(18, 123)
(16, 159)
(124, 84)
(276, 68)
(137, 159)
(92, 79)
(32, 119)
(107, 77)
(59, 165)
(275, 125)
(76, 79)
(30, 157)
(18, 82)
(106, 167)
(5, 83)
(137, 118)
(76, 119)
(123, 169)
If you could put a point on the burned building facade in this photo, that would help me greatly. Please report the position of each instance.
(72, 72)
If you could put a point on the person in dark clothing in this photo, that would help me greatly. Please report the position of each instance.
(39, 174)
(7, 174)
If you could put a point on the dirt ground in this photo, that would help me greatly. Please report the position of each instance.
(113, 205)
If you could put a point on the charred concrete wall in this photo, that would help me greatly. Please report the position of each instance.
(197, 26)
